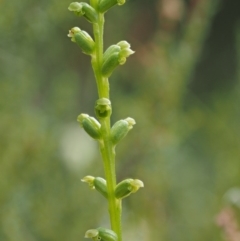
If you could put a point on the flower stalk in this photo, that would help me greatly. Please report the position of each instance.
(103, 65)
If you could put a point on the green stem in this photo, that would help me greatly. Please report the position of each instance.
(108, 155)
(106, 146)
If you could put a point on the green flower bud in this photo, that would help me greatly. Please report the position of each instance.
(90, 125)
(103, 108)
(120, 129)
(97, 183)
(126, 187)
(102, 234)
(84, 9)
(115, 55)
(83, 40)
(104, 5)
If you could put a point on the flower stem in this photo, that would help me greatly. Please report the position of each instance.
(106, 146)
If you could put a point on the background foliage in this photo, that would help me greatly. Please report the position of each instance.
(181, 86)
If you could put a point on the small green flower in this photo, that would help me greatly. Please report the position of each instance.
(84, 9)
(114, 56)
(83, 40)
(126, 187)
(97, 183)
(120, 129)
(90, 125)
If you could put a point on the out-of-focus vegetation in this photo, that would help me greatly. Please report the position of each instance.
(181, 86)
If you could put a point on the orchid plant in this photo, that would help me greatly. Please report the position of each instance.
(99, 128)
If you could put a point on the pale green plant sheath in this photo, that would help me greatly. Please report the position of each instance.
(108, 137)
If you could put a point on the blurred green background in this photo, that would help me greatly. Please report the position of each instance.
(182, 87)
